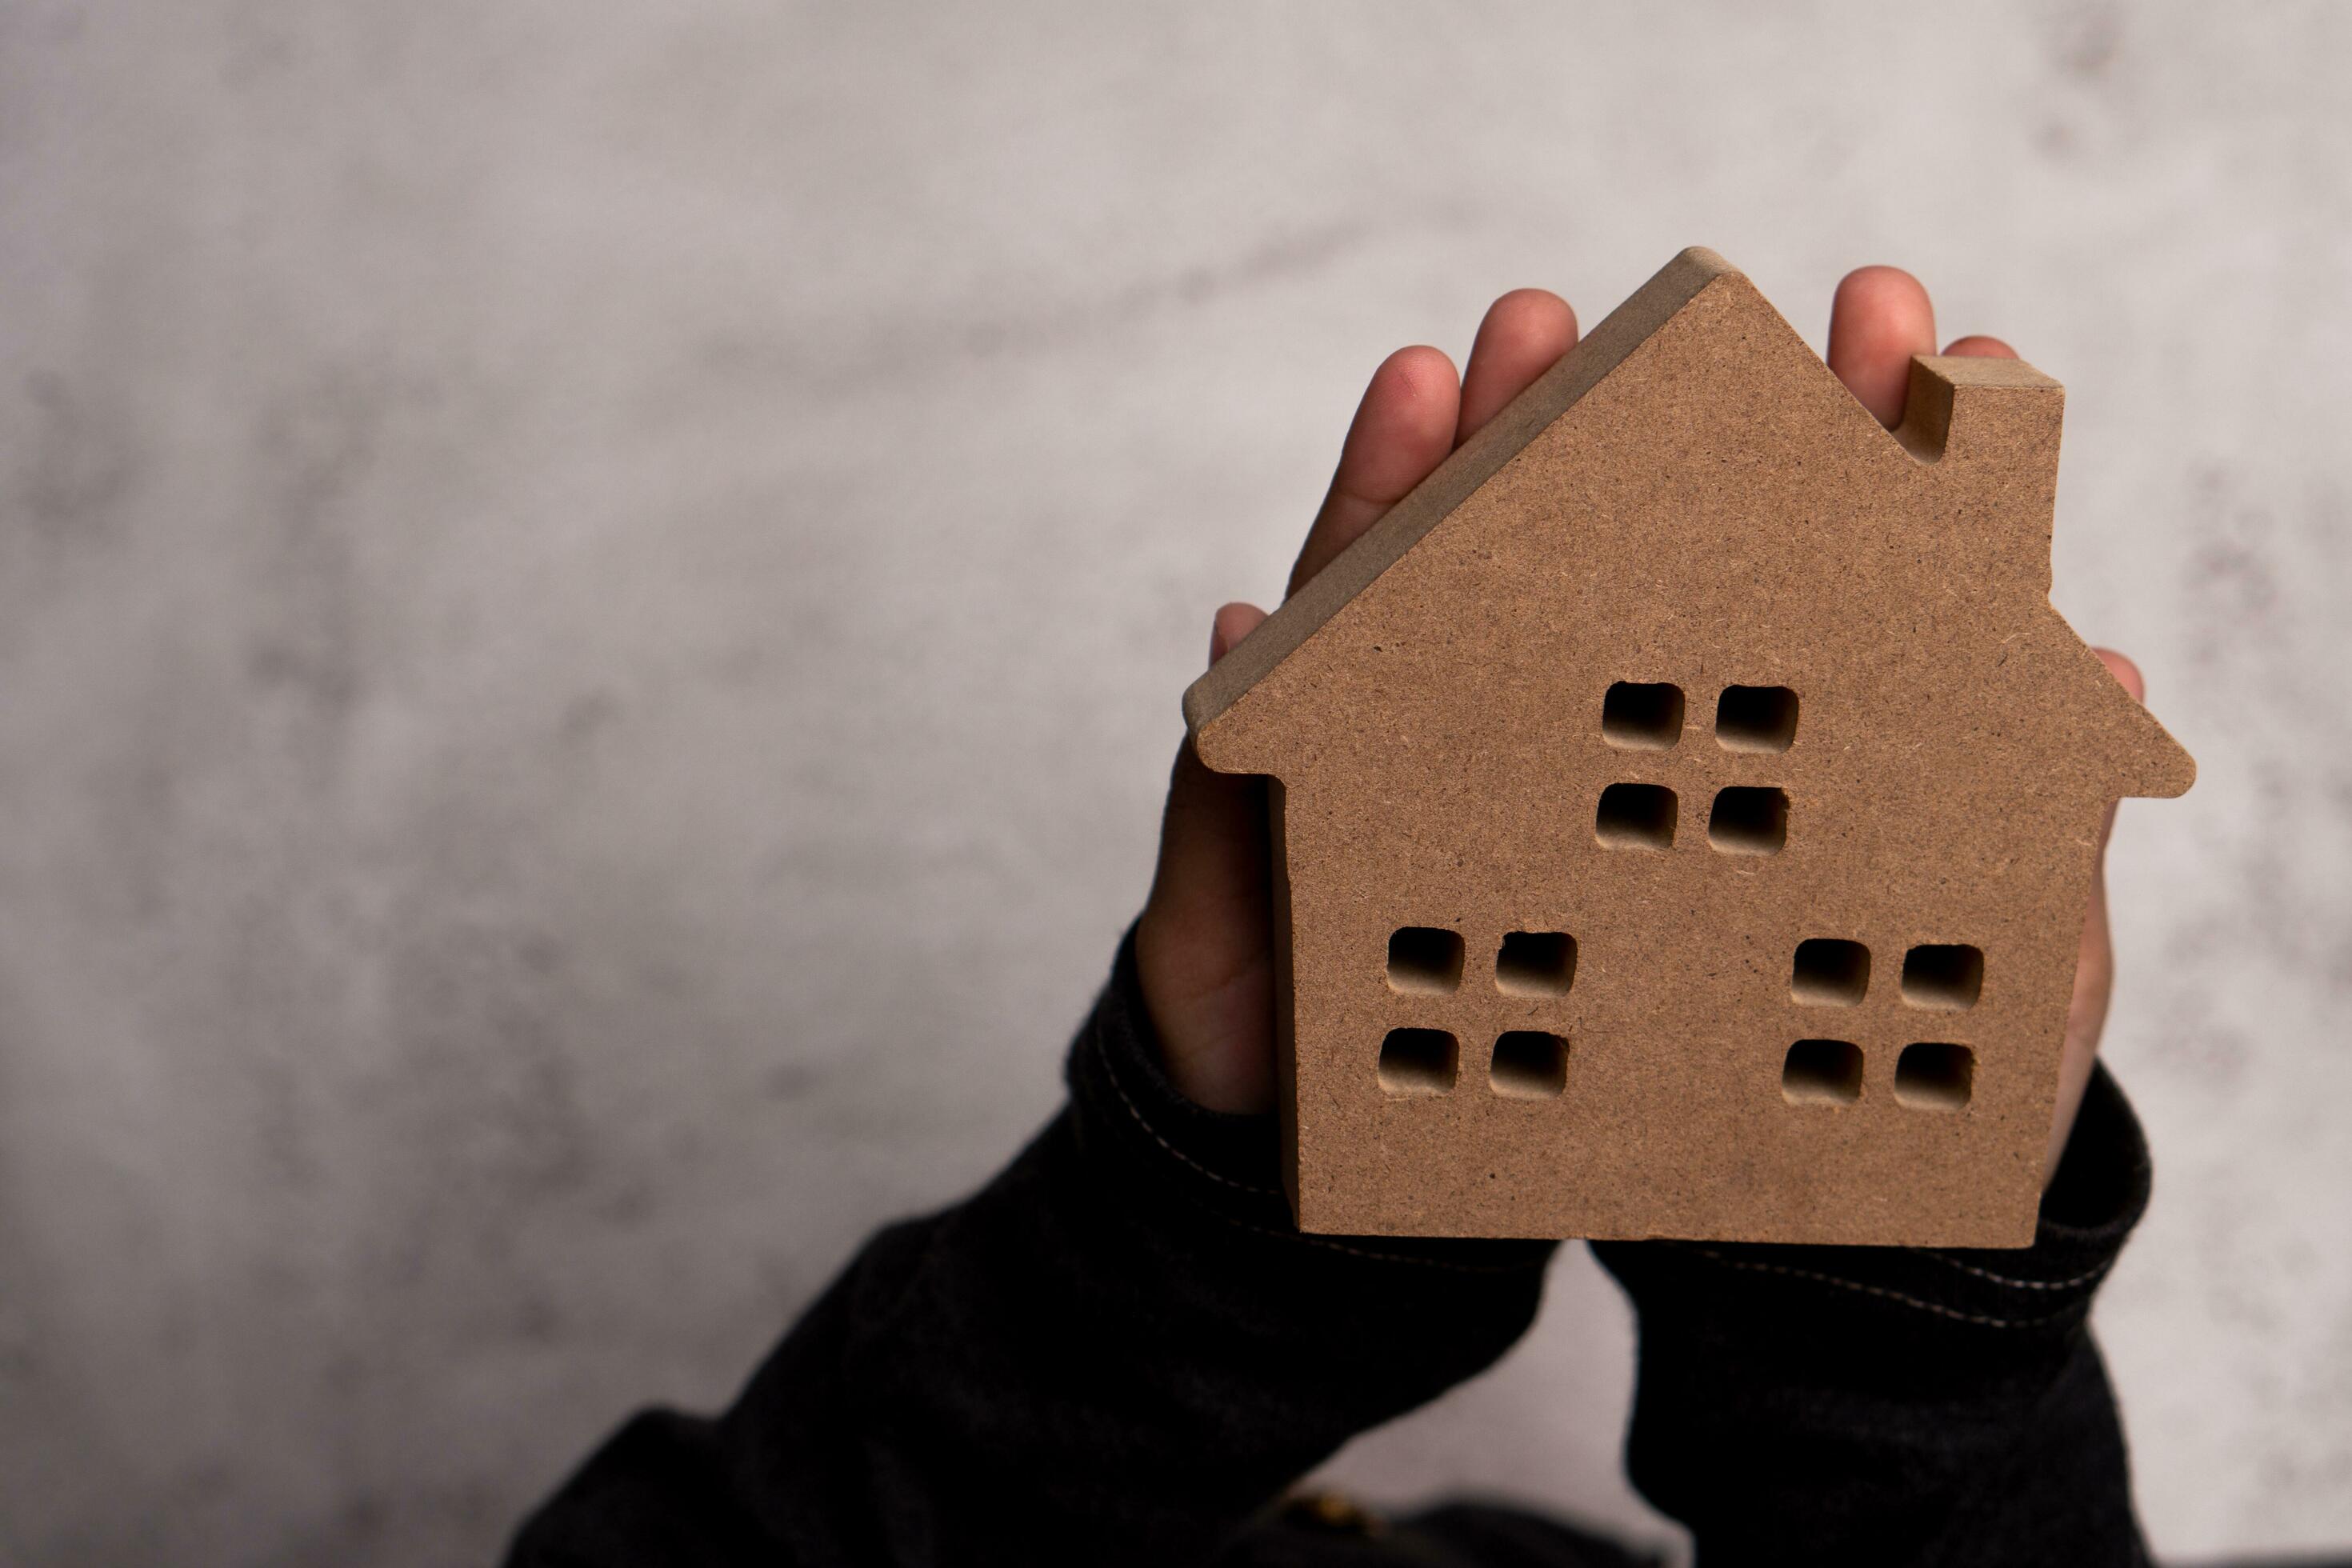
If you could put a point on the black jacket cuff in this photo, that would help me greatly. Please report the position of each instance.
(2101, 1190)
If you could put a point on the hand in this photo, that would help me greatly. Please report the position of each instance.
(1204, 943)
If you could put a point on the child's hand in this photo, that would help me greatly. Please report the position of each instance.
(1204, 943)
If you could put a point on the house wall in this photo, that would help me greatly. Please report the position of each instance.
(1676, 1105)
(593, 598)
(1677, 1019)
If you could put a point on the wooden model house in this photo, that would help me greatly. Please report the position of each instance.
(1686, 804)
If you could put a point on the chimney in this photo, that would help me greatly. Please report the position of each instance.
(1991, 426)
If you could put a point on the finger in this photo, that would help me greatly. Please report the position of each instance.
(1232, 622)
(1403, 428)
(2086, 1012)
(2126, 672)
(1880, 317)
(1524, 335)
(1976, 345)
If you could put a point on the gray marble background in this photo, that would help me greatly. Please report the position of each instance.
(593, 595)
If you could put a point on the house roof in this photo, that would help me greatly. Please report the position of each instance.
(2015, 429)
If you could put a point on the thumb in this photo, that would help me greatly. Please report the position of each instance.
(1202, 947)
(2095, 964)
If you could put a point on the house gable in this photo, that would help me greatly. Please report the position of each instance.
(1693, 390)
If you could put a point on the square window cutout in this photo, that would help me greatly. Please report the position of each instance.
(1756, 719)
(1418, 1061)
(1635, 817)
(1830, 972)
(1536, 963)
(1931, 1076)
(1944, 976)
(1822, 1072)
(1643, 716)
(1425, 958)
(1530, 1064)
(1749, 821)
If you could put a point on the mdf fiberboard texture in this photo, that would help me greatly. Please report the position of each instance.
(1689, 800)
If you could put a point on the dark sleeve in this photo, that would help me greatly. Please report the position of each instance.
(1116, 1351)
(1895, 1406)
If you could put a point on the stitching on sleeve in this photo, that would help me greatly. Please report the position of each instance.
(1110, 1071)
(2093, 1278)
(1895, 1296)
(1134, 1112)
